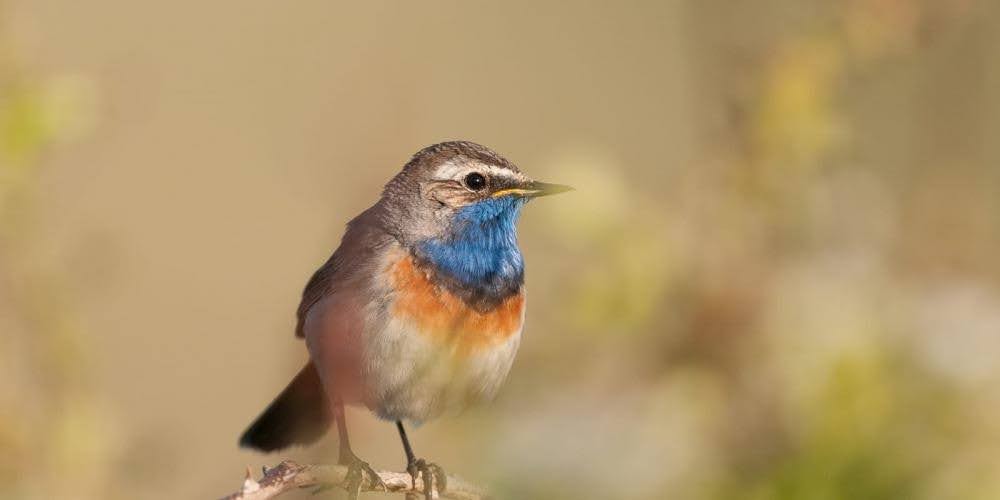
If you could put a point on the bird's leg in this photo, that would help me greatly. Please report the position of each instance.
(358, 471)
(433, 475)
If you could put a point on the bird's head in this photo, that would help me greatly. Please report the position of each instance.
(448, 186)
(456, 204)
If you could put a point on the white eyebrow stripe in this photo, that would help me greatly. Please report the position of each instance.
(454, 170)
(448, 170)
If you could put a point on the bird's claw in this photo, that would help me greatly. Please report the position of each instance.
(434, 478)
(358, 472)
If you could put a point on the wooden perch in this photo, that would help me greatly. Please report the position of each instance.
(288, 476)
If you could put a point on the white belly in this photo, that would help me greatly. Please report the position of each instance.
(411, 376)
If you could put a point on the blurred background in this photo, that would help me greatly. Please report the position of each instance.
(777, 278)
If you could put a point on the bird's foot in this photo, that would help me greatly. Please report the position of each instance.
(359, 474)
(433, 476)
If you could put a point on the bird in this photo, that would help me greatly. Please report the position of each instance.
(419, 311)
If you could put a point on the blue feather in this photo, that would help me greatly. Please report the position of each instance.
(481, 250)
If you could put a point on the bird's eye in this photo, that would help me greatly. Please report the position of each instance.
(475, 181)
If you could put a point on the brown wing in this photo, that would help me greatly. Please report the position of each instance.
(355, 257)
(317, 288)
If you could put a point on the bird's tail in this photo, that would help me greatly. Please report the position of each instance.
(299, 415)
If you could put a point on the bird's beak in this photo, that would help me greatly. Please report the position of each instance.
(533, 189)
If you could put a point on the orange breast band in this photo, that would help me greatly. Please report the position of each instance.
(447, 318)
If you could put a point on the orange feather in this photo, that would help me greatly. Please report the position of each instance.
(445, 317)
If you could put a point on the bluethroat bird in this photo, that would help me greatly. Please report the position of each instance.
(418, 313)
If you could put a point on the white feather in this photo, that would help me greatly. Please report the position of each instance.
(410, 376)
(458, 170)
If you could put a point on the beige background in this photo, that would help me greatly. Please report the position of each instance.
(779, 265)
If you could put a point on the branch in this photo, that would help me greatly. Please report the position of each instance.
(288, 476)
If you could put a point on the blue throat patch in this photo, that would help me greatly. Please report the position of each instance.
(481, 252)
